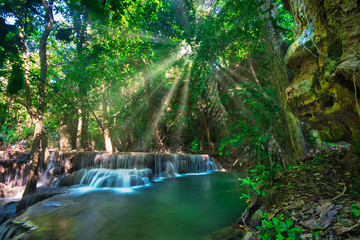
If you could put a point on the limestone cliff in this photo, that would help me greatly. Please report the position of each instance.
(326, 59)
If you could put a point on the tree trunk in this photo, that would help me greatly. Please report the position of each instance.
(64, 134)
(82, 138)
(72, 127)
(79, 130)
(34, 159)
(293, 134)
(158, 140)
(44, 154)
(211, 145)
(107, 138)
(34, 154)
(82, 141)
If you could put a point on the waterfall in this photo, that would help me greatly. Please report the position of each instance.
(101, 169)
(122, 170)
(102, 177)
(10, 229)
(14, 170)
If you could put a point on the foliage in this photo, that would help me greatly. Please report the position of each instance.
(261, 178)
(14, 125)
(278, 228)
(195, 145)
(238, 132)
(190, 50)
(355, 210)
(255, 185)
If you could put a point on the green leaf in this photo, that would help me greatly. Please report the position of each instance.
(289, 223)
(279, 236)
(275, 220)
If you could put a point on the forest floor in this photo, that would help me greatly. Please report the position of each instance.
(319, 198)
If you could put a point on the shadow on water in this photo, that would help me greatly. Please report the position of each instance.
(186, 207)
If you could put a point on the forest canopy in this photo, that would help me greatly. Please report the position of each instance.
(138, 75)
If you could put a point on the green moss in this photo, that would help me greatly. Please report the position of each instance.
(313, 119)
(334, 109)
(316, 80)
(333, 135)
(329, 69)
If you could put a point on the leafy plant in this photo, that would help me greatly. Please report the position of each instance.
(278, 228)
(355, 210)
(247, 196)
(254, 185)
(195, 145)
(320, 160)
(262, 176)
(265, 174)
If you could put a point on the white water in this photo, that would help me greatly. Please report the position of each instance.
(103, 170)
(117, 178)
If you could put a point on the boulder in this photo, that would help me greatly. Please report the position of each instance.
(326, 60)
(71, 179)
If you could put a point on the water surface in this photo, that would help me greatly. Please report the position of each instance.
(187, 207)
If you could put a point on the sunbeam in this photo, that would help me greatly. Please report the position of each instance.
(153, 73)
(182, 114)
(165, 104)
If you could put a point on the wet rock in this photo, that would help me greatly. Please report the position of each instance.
(8, 212)
(71, 179)
(248, 236)
(38, 196)
(255, 219)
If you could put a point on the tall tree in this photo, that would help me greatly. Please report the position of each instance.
(39, 116)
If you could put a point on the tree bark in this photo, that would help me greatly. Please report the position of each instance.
(73, 133)
(79, 130)
(34, 154)
(44, 154)
(293, 135)
(64, 134)
(82, 138)
(105, 116)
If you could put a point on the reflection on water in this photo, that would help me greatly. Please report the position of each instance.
(187, 207)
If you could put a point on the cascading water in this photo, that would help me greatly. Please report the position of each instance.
(10, 229)
(14, 169)
(102, 177)
(122, 170)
